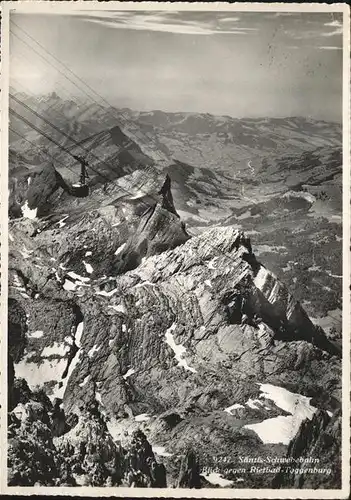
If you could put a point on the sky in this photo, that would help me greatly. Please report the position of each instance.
(242, 64)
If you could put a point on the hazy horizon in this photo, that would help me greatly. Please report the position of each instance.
(243, 65)
(190, 112)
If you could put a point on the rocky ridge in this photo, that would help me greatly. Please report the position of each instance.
(187, 340)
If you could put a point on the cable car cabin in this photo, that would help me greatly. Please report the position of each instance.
(80, 190)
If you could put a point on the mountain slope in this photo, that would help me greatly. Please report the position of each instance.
(219, 142)
(199, 341)
(185, 315)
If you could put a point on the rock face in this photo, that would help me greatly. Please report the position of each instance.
(319, 439)
(159, 229)
(83, 455)
(17, 341)
(166, 353)
(43, 185)
(189, 476)
(17, 320)
(32, 456)
(33, 191)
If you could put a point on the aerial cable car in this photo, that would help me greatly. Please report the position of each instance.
(81, 189)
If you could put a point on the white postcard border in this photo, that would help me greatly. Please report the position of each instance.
(53, 7)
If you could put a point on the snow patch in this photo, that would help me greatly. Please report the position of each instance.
(87, 254)
(300, 194)
(261, 277)
(252, 403)
(25, 253)
(210, 264)
(85, 381)
(138, 194)
(36, 374)
(61, 222)
(80, 479)
(119, 308)
(78, 334)
(143, 417)
(121, 429)
(89, 268)
(339, 276)
(98, 398)
(27, 212)
(69, 285)
(276, 430)
(145, 283)
(235, 406)
(56, 349)
(36, 335)
(107, 294)
(288, 401)
(217, 479)
(178, 349)
(315, 268)
(61, 386)
(161, 451)
(129, 373)
(282, 429)
(77, 277)
(21, 412)
(93, 350)
(119, 249)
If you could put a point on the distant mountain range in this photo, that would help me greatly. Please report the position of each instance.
(207, 156)
(225, 141)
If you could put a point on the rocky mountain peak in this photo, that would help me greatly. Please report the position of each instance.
(167, 198)
(141, 354)
(159, 229)
(43, 185)
(30, 194)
